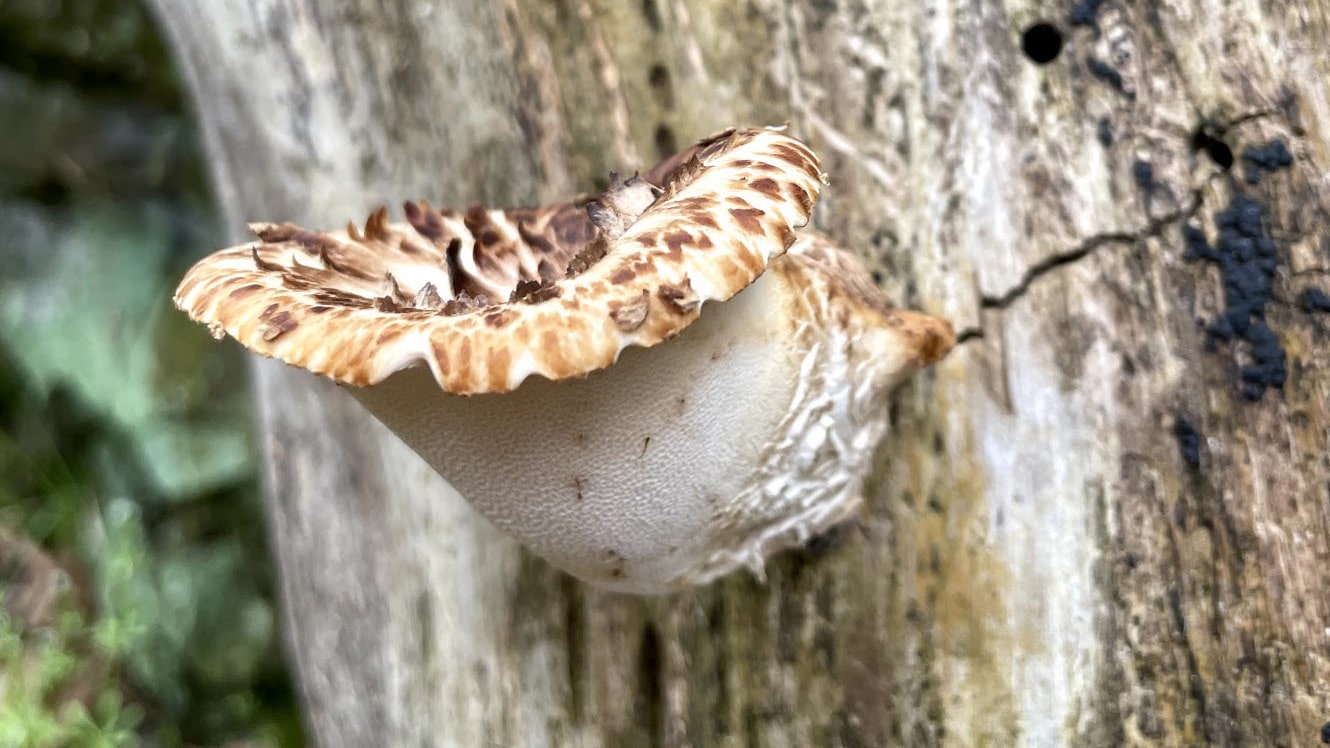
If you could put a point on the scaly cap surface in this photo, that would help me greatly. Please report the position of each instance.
(487, 298)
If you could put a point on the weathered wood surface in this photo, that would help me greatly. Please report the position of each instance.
(1048, 555)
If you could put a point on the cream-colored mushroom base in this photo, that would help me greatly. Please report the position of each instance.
(747, 433)
(702, 396)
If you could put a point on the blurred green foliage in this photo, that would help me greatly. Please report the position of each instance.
(125, 444)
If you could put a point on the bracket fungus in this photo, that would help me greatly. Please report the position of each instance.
(708, 384)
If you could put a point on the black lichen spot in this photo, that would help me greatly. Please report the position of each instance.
(1189, 441)
(1270, 157)
(1268, 368)
(1104, 132)
(1246, 257)
(1144, 173)
(1204, 140)
(1197, 246)
(1325, 733)
(1106, 73)
(1042, 43)
(1315, 300)
(1085, 12)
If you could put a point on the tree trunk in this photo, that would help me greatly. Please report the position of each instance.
(1100, 522)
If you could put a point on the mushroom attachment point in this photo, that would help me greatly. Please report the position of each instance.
(650, 389)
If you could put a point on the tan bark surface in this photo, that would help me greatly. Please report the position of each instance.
(1040, 561)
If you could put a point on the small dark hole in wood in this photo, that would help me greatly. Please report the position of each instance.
(665, 141)
(1216, 149)
(652, 15)
(659, 80)
(1042, 43)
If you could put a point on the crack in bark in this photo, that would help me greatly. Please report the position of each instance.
(1082, 250)
(1087, 247)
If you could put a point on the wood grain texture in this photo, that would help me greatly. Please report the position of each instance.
(1041, 560)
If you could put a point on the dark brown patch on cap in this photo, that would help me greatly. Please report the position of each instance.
(593, 253)
(681, 298)
(801, 196)
(499, 317)
(748, 219)
(572, 227)
(534, 239)
(337, 266)
(765, 185)
(341, 298)
(262, 264)
(296, 280)
(454, 267)
(549, 271)
(797, 158)
(690, 204)
(426, 221)
(376, 226)
(409, 247)
(703, 218)
(630, 315)
(314, 242)
(533, 291)
(676, 239)
(275, 233)
(476, 218)
(277, 325)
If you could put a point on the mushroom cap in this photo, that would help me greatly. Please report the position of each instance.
(748, 433)
(487, 298)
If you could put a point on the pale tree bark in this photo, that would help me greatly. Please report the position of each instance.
(1080, 530)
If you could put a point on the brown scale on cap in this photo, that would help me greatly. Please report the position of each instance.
(631, 268)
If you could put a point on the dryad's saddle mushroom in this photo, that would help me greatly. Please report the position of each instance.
(708, 385)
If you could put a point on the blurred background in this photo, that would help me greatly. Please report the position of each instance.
(137, 596)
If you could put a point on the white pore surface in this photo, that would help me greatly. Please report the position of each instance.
(619, 478)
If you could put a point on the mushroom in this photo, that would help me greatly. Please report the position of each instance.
(709, 386)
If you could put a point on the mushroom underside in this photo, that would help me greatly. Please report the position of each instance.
(749, 432)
